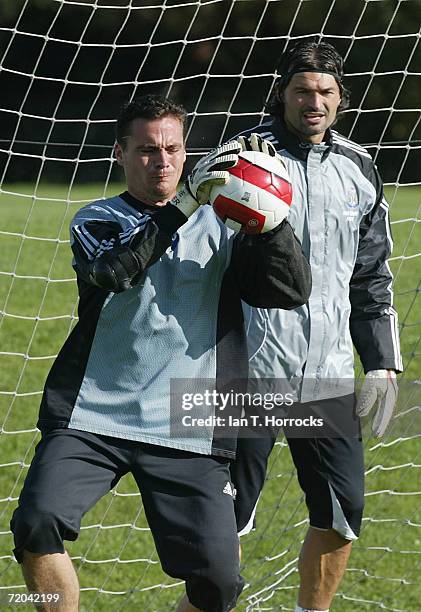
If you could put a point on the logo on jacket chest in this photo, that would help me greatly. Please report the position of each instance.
(351, 210)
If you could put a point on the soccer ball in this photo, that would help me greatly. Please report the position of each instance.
(257, 196)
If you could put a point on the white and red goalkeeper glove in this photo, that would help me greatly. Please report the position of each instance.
(380, 386)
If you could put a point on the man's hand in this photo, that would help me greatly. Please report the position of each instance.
(380, 385)
(210, 170)
(255, 142)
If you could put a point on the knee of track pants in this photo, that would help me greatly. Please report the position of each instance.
(347, 513)
(209, 568)
(217, 591)
(248, 473)
(38, 531)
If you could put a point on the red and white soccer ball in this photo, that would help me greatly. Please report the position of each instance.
(257, 196)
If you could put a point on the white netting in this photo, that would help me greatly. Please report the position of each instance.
(66, 67)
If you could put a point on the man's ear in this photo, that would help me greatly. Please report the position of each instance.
(118, 152)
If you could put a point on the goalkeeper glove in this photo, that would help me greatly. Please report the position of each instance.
(380, 385)
(210, 170)
(255, 142)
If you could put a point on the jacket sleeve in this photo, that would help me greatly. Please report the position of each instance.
(271, 269)
(374, 321)
(113, 259)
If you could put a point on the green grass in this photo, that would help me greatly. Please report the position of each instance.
(385, 563)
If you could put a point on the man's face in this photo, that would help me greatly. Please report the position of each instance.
(153, 158)
(311, 101)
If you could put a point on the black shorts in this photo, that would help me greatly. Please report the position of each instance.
(187, 500)
(330, 471)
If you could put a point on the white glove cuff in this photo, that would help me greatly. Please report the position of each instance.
(185, 202)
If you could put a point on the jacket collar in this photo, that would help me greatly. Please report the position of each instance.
(137, 204)
(294, 145)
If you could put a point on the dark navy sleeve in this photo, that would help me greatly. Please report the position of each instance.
(113, 259)
(271, 270)
(374, 321)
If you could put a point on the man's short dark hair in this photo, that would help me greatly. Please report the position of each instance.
(150, 106)
(308, 56)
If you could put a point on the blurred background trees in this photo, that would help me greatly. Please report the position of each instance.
(66, 68)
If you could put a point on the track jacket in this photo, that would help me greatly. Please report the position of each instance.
(180, 319)
(341, 217)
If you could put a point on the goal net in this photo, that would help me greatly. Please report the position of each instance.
(65, 69)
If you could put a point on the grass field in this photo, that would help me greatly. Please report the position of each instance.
(115, 551)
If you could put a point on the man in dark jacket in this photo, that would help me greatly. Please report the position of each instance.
(160, 282)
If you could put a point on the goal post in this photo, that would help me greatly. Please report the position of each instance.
(66, 66)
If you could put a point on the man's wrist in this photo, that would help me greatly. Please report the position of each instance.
(185, 202)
